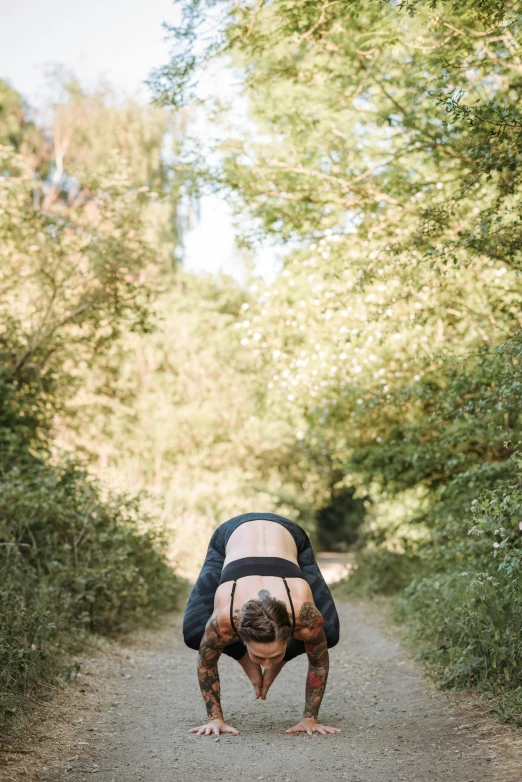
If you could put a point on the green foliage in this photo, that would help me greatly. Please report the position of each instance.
(70, 273)
(386, 155)
(71, 561)
(18, 132)
(469, 628)
(12, 116)
(179, 412)
(76, 256)
(379, 571)
(475, 631)
(86, 550)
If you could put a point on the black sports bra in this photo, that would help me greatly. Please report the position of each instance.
(261, 566)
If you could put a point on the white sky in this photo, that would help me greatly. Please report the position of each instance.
(120, 41)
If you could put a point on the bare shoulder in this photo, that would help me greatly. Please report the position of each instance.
(220, 618)
(217, 635)
(309, 621)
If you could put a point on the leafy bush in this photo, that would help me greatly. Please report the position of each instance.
(468, 625)
(461, 593)
(71, 560)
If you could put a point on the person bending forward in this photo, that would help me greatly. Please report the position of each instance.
(261, 599)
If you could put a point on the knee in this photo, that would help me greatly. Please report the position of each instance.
(192, 640)
(236, 650)
(332, 637)
(294, 649)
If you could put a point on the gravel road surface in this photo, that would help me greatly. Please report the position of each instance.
(394, 725)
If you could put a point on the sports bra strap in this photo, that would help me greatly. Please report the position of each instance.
(291, 603)
(232, 605)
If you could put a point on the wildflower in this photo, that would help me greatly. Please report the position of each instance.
(496, 545)
(520, 525)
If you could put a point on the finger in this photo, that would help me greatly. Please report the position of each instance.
(292, 730)
(322, 731)
(208, 731)
(258, 691)
(194, 730)
(332, 730)
(309, 730)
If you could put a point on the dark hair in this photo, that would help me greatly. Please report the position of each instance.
(264, 620)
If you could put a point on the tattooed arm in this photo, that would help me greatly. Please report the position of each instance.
(317, 676)
(311, 630)
(211, 647)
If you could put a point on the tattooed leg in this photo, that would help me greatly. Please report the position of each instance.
(269, 676)
(253, 672)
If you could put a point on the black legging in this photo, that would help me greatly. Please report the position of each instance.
(201, 601)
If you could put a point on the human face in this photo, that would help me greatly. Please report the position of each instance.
(266, 654)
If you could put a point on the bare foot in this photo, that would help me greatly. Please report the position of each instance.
(253, 671)
(269, 677)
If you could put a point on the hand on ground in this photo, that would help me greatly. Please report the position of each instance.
(310, 726)
(269, 678)
(214, 727)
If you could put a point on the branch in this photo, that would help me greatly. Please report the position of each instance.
(346, 184)
(49, 333)
(319, 21)
(254, 18)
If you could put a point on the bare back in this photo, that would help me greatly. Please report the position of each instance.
(260, 538)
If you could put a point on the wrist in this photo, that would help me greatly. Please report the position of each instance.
(213, 715)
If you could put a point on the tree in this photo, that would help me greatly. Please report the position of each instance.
(77, 271)
(386, 155)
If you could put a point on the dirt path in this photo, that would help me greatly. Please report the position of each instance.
(394, 726)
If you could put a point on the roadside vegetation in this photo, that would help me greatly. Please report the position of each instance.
(75, 266)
